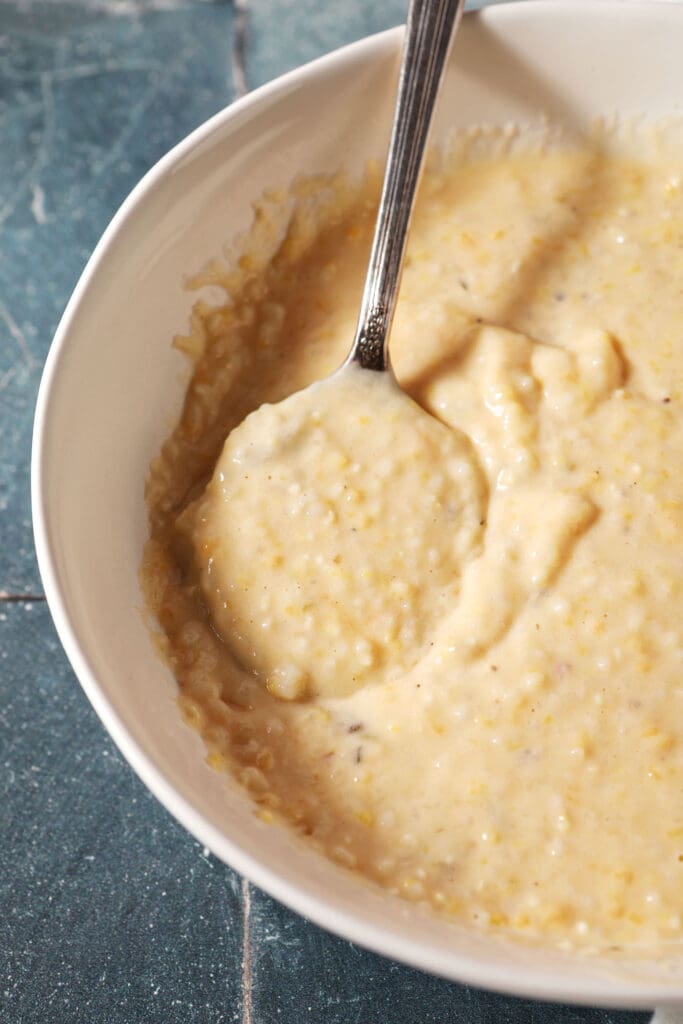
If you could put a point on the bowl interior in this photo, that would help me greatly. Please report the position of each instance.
(113, 386)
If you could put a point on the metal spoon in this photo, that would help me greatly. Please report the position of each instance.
(430, 30)
(346, 508)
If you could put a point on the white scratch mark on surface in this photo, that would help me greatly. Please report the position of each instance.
(47, 95)
(10, 206)
(124, 8)
(107, 67)
(118, 146)
(131, 8)
(38, 204)
(239, 49)
(41, 158)
(71, 72)
(5, 381)
(246, 953)
(18, 335)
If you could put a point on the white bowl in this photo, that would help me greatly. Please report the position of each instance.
(112, 387)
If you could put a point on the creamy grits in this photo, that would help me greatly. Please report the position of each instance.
(459, 675)
(333, 535)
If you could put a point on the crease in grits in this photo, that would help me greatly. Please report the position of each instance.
(517, 765)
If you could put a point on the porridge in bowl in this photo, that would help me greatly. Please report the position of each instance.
(485, 718)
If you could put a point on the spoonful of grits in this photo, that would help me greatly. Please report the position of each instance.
(333, 535)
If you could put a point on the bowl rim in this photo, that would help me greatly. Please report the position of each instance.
(508, 979)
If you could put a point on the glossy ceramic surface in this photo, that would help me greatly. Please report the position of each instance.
(112, 386)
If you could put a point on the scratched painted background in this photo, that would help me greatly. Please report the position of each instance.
(109, 911)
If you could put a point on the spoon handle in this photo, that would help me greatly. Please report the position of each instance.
(431, 27)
